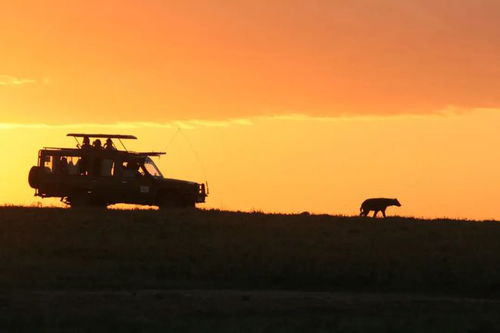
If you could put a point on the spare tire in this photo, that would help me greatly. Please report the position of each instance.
(34, 177)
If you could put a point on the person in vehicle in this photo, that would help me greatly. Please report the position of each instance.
(85, 143)
(81, 166)
(60, 165)
(63, 166)
(109, 144)
(97, 144)
(131, 169)
(72, 168)
(97, 162)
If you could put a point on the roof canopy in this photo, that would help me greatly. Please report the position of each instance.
(105, 136)
(108, 152)
(151, 153)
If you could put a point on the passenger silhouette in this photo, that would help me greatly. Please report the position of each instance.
(63, 166)
(109, 145)
(131, 169)
(97, 144)
(81, 166)
(85, 143)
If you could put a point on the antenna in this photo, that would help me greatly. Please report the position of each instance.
(193, 151)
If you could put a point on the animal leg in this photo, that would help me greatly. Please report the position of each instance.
(383, 212)
(375, 213)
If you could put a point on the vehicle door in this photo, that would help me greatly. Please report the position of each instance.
(107, 182)
(139, 185)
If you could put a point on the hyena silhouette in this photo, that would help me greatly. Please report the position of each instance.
(377, 205)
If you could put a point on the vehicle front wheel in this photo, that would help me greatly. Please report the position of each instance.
(167, 202)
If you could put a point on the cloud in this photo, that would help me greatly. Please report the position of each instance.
(182, 124)
(9, 80)
(189, 124)
(250, 121)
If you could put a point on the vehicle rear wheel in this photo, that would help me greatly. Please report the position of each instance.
(188, 204)
(84, 200)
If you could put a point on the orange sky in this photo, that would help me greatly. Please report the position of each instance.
(409, 87)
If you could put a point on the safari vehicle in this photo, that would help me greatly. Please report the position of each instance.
(100, 176)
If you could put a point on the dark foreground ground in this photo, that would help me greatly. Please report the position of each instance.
(195, 271)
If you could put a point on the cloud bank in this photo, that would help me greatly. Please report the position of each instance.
(450, 112)
(9, 80)
(159, 61)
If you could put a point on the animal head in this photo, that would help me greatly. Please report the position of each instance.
(396, 203)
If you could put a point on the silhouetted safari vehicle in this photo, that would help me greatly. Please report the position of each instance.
(101, 176)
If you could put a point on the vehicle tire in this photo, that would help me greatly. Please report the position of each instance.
(35, 175)
(79, 200)
(188, 204)
(82, 199)
(166, 202)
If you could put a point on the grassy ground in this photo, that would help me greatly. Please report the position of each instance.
(66, 269)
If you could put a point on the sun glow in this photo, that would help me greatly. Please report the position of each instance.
(282, 107)
(438, 165)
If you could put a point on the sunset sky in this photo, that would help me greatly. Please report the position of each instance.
(282, 106)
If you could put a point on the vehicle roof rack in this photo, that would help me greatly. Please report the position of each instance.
(79, 152)
(151, 153)
(105, 136)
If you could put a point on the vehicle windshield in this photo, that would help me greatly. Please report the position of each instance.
(151, 168)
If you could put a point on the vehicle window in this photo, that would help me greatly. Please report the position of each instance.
(62, 165)
(48, 163)
(59, 165)
(151, 168)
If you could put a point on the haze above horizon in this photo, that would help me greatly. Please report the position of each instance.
(288, 105)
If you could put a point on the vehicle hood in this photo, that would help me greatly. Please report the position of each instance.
(179, 181)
